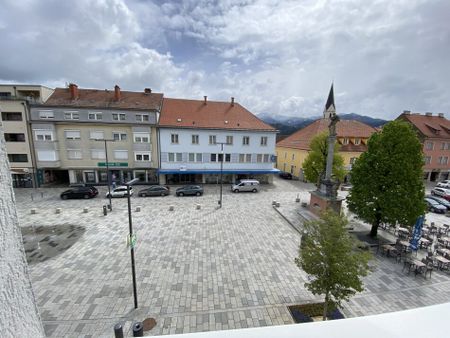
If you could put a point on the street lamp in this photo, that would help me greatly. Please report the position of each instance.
(130, 224)
(221, 170)
(107, 170)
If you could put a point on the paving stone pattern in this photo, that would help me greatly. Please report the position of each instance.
(197, 270)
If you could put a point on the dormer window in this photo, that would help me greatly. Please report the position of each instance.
(345, 141)
(357, 141)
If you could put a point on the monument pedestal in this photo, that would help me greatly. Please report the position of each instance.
(320, 202)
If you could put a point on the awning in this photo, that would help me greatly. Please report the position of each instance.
(227, 171)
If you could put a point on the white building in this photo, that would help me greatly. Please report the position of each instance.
(200, 139)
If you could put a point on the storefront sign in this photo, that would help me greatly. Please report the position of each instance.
(113, 164)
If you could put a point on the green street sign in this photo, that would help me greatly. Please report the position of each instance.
(131, 241)
(113, 164)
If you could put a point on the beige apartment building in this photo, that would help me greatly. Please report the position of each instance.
(78, 131)
(14, 107)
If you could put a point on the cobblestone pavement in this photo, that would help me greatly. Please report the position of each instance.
(197, 270)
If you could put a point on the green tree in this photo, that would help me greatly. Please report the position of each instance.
(388, 178)
(332, 259)
(315, 163)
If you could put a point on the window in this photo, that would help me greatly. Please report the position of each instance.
(241, 158)
(121, 154)
(263, 140)
(248, 157)
(293, 157)
(212, 139)
(427, 159)
(17, 157)
(345, 140)
(195, 139)
(213, 157)
(72, 134)
(142, 118)
(46, 155)
(448, 146)
(246, 140)
(352, 160)
(117, 117)
(46, 114)
(119, 136)
(357, 141)
(227, 157)
(229, 139)
(95, 116)
(74, 154)
(443, 160)
(429, 145)
(13, 137)
(191, 157)
(96, 135)
(98, 154)
(174, 138)
(141, 137)
(175, 157)
(71, 115)
(43, 135)
(142, 156)
(195, 157)
(199, 157)
(9, 116)
(259, 158)
(266, 158)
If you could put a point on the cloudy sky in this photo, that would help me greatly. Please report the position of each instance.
(274, 57)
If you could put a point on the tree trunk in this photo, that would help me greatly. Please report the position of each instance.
(325, 307)
(375, 225)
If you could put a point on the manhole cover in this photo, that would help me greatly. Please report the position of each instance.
(149, 323)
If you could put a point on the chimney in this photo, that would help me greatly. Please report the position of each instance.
(116, 93)
(441, 114)
(147, 90)
(73, 89)
(428, 113)
(205, 98)
(232, 101)
(407, 112)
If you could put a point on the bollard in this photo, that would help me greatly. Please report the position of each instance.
(274, 203)
(109, 207)
(105, 211)
(138, 329)
(85, 210)
(278, 204)
(198, 207)
(33, 211)
(171, 208)
(118, 331)
(138, 209)
(58, 210)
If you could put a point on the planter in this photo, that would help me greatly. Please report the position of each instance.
(305, 313)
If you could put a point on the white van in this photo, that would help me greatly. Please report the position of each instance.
(246, 185)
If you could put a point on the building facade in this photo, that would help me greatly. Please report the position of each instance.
(78, 131)
(201, 140)
(14, 108)
(434, 133)
(352, 137)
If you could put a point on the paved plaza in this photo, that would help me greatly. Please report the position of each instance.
(197, 270)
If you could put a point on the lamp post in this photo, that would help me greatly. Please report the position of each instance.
(107, 170)
(130, 224)
(221, 170)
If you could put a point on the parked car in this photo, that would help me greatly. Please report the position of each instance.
(434, 206)
(154, 190)
(286, 176)
(442, 192)
(189, 190)
(444, 184)
(440, 200)
(246, 185)
(84, 185)
(120, 191)
(81, 192)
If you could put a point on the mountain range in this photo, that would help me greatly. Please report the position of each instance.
(288, 125)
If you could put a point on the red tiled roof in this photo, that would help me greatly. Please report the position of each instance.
(212, 115)
(95, 98)
(344, 128)
(429, 126)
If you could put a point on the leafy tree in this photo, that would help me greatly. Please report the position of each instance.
(315, 163)
(388, 179)
(331, 257)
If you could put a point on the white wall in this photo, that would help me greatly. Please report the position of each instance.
(19, 316)
(185, 146)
